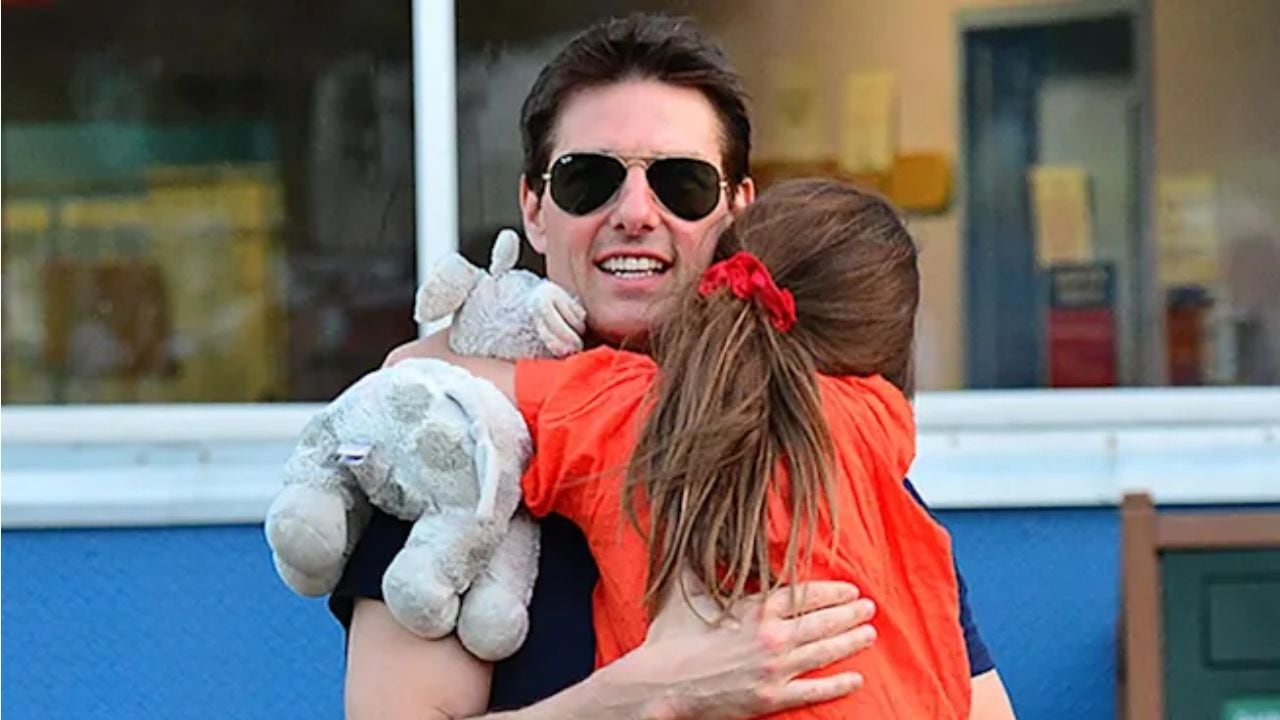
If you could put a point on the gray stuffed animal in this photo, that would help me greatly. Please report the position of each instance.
(426, 441)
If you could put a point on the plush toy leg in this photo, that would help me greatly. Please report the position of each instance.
(444, 552)
(312, 529)
(495, 611)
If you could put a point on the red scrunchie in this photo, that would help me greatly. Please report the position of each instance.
(748, 279)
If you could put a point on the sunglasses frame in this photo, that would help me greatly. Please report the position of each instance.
(643, 162)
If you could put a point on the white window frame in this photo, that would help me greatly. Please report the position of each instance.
(435, 132)
(138, 465)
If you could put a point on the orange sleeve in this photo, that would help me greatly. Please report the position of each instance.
(582, 413)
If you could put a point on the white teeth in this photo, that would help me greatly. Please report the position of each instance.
(632, 266)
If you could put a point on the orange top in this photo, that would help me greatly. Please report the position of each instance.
(585, 414)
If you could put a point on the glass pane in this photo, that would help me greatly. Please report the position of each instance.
(204, 202)
(1095, 192)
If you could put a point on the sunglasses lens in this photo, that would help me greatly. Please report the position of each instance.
(689, 188)
(582, 183)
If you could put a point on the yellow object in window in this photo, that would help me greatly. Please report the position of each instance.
(921, 182)
(214, 230)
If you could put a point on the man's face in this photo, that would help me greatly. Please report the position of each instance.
(589, 254)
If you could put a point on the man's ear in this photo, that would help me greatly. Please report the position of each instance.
(531, 213)
(743, 196)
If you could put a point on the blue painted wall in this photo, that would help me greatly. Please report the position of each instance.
(160, 623)
(192, 622)
(1045, 588)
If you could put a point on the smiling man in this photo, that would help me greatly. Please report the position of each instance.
(636, 190)
(636, 145)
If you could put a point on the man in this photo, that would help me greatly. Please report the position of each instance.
(636, 146)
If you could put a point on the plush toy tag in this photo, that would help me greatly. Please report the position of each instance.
(352, 452)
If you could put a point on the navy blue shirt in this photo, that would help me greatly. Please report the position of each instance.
(560, 649)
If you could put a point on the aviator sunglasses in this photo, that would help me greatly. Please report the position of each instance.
(583, 182)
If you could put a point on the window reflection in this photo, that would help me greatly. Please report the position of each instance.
(204, 202)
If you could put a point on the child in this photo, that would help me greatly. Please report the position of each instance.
(763, 443)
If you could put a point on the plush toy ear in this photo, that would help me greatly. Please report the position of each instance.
(506, 250)
(445, 289)
(486, 455)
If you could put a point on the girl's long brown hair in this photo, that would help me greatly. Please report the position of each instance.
(736, 399)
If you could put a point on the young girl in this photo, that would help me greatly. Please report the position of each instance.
(764, 442)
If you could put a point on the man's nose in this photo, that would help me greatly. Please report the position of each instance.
(636, 212)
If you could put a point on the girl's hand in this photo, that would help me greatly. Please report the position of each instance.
(435, 345)
(750, 666)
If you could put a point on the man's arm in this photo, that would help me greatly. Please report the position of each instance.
(729, 672)
(393, 674)
(990, 701)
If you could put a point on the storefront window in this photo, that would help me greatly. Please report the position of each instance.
(1094, 188)
(208, 202)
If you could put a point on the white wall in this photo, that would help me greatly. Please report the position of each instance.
(1218, 112)
(1217, 109)
(915, 41)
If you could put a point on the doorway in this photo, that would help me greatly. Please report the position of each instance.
(1062, 89)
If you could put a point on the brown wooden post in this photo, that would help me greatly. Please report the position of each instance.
(1142, 669)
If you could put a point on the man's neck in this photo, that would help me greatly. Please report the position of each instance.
(633, 344)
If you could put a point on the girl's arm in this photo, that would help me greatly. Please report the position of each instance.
(685, 669)
(499, 372)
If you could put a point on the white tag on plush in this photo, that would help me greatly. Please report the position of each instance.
(352, 452)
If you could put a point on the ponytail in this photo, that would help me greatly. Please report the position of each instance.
(736, 401)
(736, 421)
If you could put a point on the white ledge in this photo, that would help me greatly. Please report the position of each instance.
(935, 411)
(1062, 409)
(217, 464)
(92, 424)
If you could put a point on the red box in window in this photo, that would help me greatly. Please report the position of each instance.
(1082, 326)
(1186, 308)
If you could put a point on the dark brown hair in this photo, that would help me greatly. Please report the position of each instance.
(649, 47)
(737, 399)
